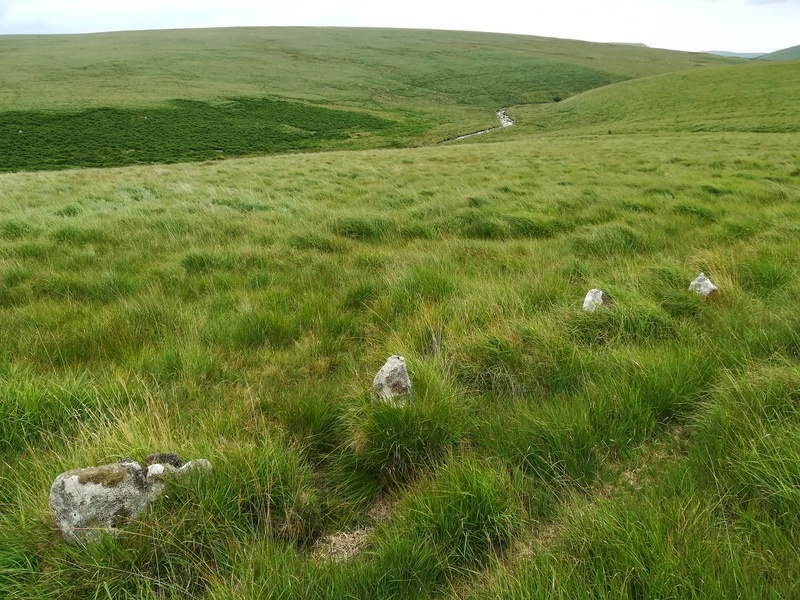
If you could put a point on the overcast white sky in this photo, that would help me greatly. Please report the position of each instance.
(735, 25)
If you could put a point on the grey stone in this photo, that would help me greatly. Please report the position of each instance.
(165, 470)
(89, 502)
(594, 298)
(164, 458)
(392, 383)
(703, 286)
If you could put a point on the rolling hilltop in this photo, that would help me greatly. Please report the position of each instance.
(792, 53)
(155, 97)
(237, 310)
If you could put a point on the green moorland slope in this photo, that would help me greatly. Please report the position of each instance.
(754, 97)
(238, 311)
(792, 53)
(174, 96)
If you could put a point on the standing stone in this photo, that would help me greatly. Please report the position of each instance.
(595, 298)
(94, 500)
(392, 383)
(702, 285)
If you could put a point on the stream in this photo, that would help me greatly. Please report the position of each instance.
(505, 121)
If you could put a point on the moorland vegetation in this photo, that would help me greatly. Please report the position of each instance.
(152, 97)
(237, 310)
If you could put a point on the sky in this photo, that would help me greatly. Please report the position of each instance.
(695, 25)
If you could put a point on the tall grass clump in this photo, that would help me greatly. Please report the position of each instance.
(637, 548)
(38, 410)
(554, 444)
(362, 228)
(466, 513)
(530, 361)
(611, 240)
(468, 510)
(636, 397)
(394, 443)
(746, 443)
(262, 488)
(429, 283)
(636, 322)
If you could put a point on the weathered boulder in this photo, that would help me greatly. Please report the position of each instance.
(94, 500)
(703, 286)
(392, 383)
(595, 298)
(87, 501)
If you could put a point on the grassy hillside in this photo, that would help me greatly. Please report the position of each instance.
(753, 97)
(239, 310)
(735, 54)
(792, 53)
(172, 96)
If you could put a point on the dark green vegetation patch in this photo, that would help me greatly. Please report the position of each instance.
(182, 131)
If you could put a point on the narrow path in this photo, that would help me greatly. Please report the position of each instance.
(505, 121)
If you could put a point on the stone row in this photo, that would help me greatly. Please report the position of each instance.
(700, 285)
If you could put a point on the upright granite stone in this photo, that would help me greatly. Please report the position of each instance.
(595, 298)
(703, 286)
(95, 500)
(392, 383)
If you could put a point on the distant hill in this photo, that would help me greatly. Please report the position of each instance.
(749, 97)
(167, 96)
(734, 54)
(792, 53)
(359, 68)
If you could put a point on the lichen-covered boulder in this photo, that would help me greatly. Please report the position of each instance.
(594, 298)
(392, 383)
(88, 501)
(703, 286)
(94, 500)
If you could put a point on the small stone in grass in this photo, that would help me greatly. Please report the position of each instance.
(703, 286)
(594, 298)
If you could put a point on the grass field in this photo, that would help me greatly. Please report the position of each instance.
(753, 97)
(155, 97)
(237, 310)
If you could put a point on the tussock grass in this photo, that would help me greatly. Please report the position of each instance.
(253, 338)
(397, 444)
(238, 311)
